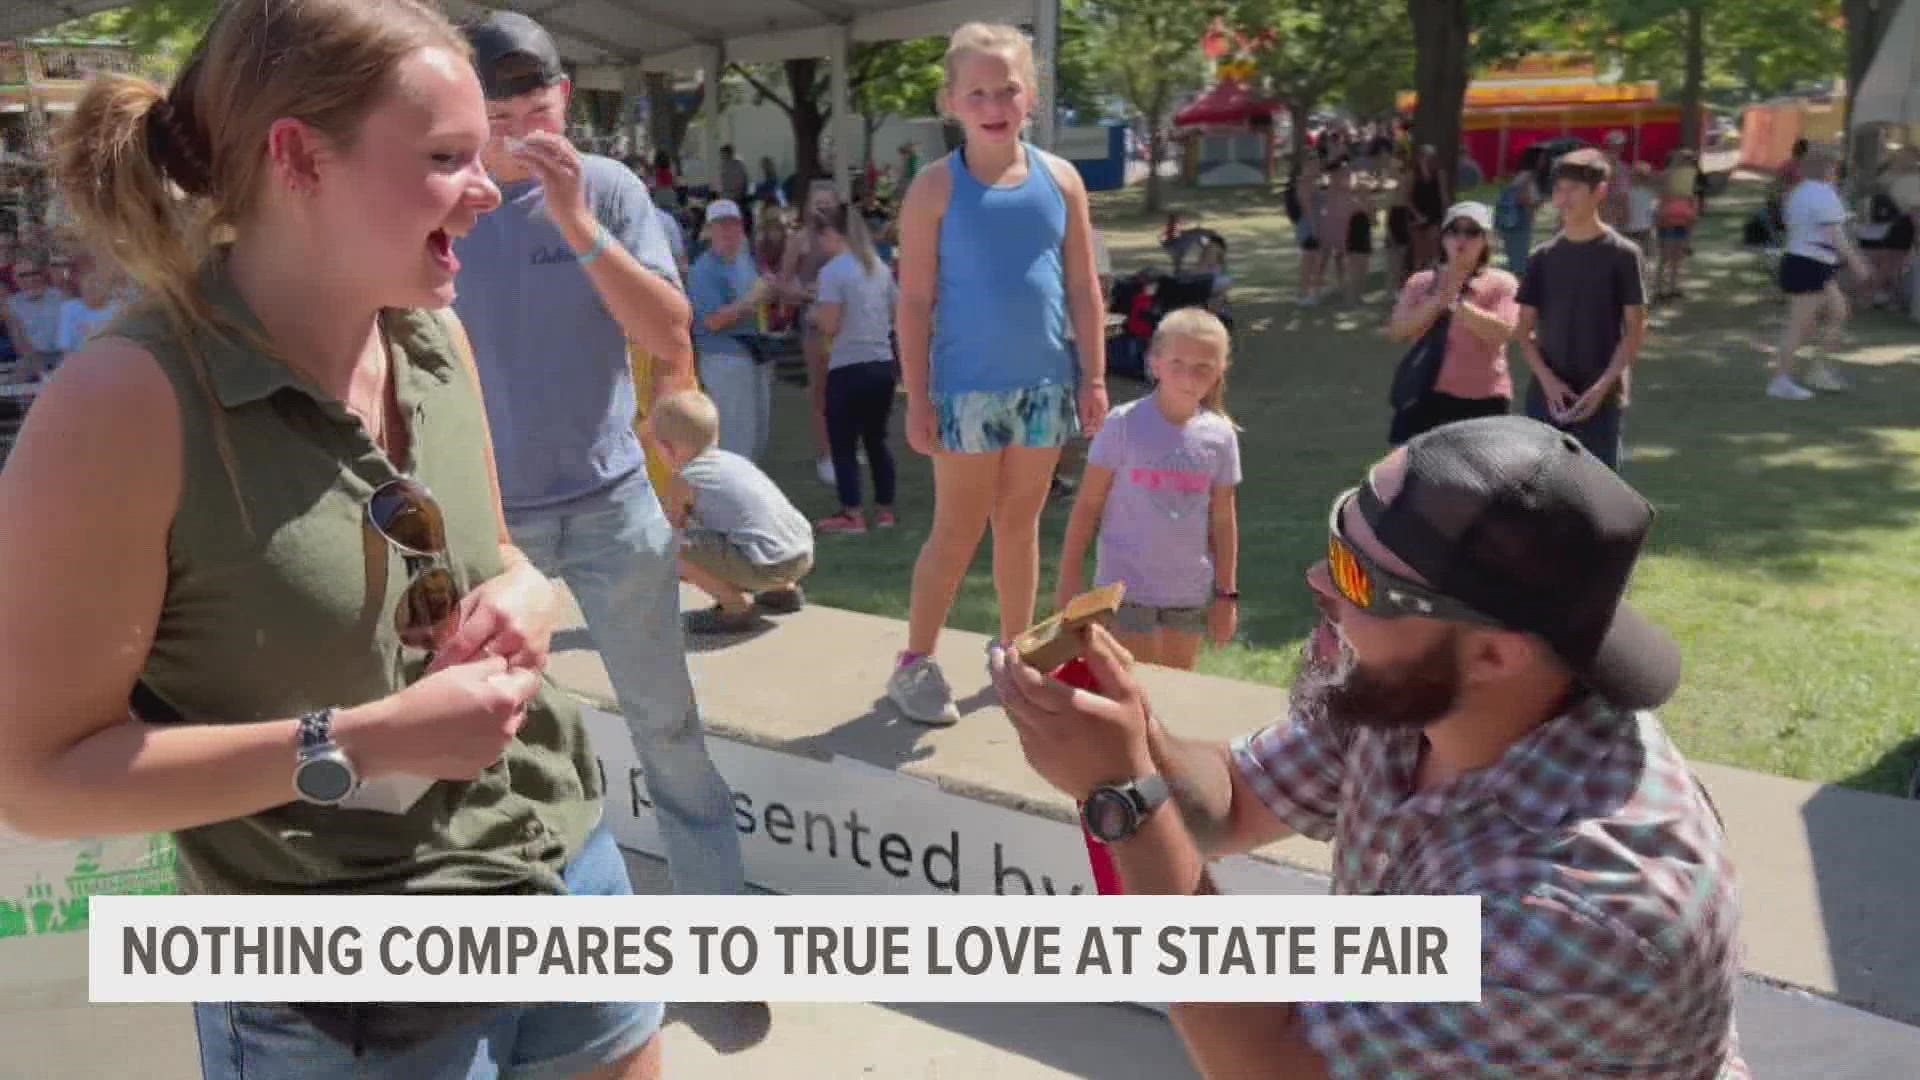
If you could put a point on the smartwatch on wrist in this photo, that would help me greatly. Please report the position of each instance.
(322, 772)
(1114, 812)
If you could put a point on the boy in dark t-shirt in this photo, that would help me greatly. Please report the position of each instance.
(1582, 313)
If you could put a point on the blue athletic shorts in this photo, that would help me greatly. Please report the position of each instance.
(982, 422)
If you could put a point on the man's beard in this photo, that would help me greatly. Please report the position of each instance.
(1351, 695)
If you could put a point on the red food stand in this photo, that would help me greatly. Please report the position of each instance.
(1228, 136)
(1548, 98)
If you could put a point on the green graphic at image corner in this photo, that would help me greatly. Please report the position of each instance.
(47, 910)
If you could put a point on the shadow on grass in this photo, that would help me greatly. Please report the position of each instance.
(1771, 485)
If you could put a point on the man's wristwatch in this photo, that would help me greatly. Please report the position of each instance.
(322, 773)
(1226, 594)
(1114, 812)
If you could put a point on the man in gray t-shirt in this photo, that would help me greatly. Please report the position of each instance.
(1583, 313)
(554, 285)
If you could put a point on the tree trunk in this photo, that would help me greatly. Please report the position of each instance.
(1297, 112)
(1441, 64)
(667, 124)
(809, 119)
(1156, 145)
(1690, 133)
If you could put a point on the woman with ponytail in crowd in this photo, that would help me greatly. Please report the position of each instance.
(854, 310)
(255, 588)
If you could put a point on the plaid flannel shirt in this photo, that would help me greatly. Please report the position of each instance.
(1609, 914)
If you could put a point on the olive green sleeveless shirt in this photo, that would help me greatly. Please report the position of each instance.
(290, 609)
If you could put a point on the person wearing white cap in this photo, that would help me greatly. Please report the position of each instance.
(727, 290)
(1479, 306)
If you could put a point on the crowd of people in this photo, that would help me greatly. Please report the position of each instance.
(313, 646)
(55, 295)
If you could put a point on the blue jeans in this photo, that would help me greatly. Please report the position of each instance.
(1600, 433)
(616, 551)
(247, 1041)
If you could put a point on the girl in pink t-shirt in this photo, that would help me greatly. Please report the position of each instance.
(1159, 488)
(1484, 305)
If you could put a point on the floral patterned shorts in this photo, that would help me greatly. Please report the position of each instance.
(982, 422)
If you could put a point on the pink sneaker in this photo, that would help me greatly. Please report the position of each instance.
(883, 519)
(842, 524)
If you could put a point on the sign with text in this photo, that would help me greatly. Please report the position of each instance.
(785, 948)
(845, 826)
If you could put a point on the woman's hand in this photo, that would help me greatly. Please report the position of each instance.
(1093, 407)
(1223, 620)
(923, 426)
(451, 725)
(511, 617)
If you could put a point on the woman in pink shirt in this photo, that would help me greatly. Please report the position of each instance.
(1484, 304)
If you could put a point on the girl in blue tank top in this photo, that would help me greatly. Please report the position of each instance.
(996, 262)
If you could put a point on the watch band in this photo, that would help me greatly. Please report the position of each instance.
(1141, 796)
(1226, 594)
(316, 729)
(1148, 793)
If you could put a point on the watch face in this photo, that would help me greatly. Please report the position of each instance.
(324, 780)
(1109, 815)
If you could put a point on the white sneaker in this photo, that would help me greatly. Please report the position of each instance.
(920, 691)
(1825, 378)
(1784, 388)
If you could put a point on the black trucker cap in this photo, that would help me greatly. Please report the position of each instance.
(513, 55)
(1520, 522)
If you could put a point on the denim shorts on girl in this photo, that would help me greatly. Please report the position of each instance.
(1145, 619)
(258, 1041)
(982, 422)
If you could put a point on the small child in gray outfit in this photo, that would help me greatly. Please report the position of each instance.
(743, 542)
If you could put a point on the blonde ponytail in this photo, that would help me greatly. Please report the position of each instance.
(135, 176)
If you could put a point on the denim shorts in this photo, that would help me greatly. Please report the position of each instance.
(982, 422)
(1141, 619)
(249, 1041)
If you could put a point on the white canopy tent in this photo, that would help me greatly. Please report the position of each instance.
(1890, 92)
(614, 41)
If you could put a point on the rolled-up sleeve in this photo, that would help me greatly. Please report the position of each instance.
(1296, 768)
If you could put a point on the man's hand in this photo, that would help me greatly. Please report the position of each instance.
(557, 164)
(1590, 402)
(1077, 740)
(1560, 399)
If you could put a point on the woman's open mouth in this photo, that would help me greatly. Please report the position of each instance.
(440, 248)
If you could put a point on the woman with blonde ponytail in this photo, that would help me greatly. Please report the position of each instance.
(255, 586)
(855, 311)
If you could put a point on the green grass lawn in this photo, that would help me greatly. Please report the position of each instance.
(1783, 559)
